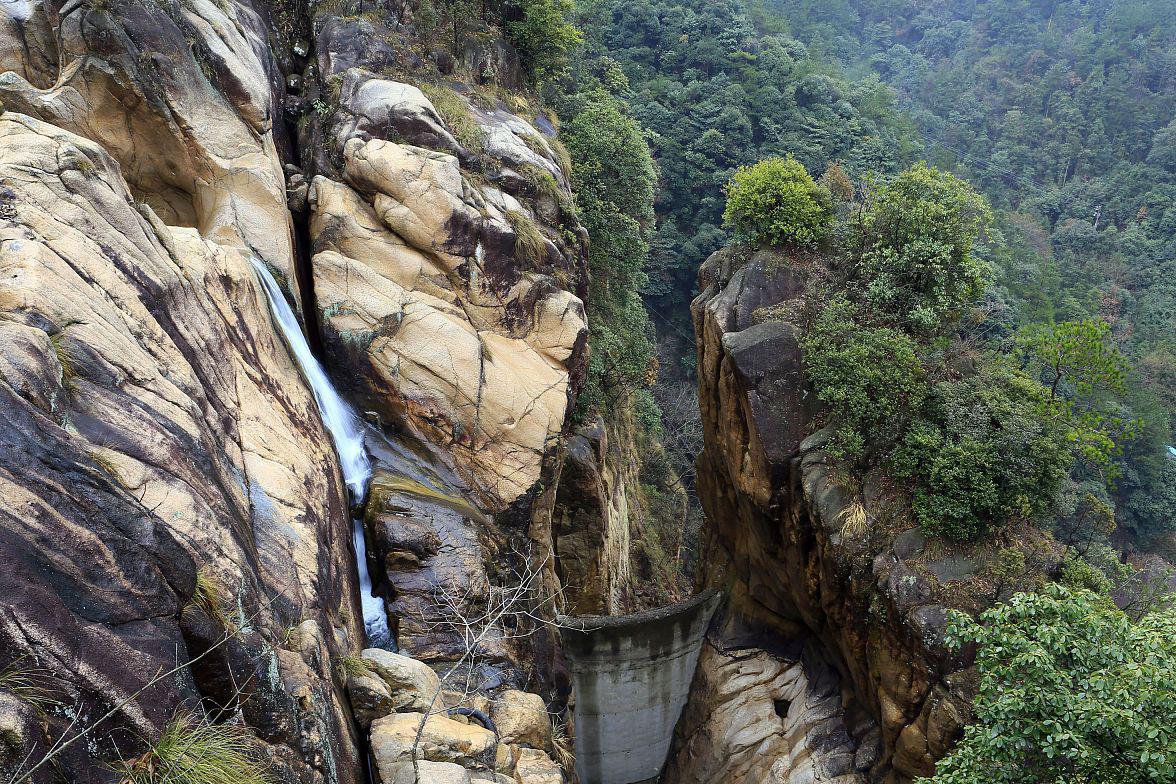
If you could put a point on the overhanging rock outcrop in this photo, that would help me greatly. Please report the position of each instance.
(632, 675)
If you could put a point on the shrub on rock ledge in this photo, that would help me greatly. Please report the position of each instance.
(777, 202)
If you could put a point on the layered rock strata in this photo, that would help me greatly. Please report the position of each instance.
(169, 495)
(804, 555)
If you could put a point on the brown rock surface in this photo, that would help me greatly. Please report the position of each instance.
(776, 538)
(152, 425)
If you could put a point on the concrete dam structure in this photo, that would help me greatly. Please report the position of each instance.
(632, 676)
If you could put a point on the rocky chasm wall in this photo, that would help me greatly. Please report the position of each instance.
(780, 543)
(632, 675)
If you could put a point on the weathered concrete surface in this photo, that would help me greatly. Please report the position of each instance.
(632, 675)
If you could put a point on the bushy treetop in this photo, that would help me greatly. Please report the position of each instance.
(777, 202)
(1071, 691)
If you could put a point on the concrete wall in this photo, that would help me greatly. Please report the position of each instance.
(632, 675)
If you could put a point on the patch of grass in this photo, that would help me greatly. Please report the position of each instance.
(530, 247)
(543, 186)
(352, 666)
(854, 519)
(193, 750)
(457, 116)
(561, 745)
(211, 597)
(28, 683)
(562, 157)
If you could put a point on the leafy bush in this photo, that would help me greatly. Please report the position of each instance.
(979, 454)
(916, 262)
(1071, 690)
(776, 202)
(870, 377)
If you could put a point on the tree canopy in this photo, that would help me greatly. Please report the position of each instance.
(1071, 690)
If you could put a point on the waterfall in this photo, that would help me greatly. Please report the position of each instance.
(347, 433)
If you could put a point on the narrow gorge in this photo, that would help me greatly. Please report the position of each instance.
(338, 446)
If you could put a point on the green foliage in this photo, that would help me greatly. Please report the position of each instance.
(210, 596)
(613, 178)
(870, 377)
(917, 236)
(776, 202)
(193, 750)
(543, 35)
(716, 94)
(1063, 114)
(23, 679)
(1071, 690)
(1083, 370)
(980, 454)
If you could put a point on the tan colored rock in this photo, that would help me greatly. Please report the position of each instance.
(535, 767)
(463, 359)
(425, 772)
(521, 717)
(370, 697)
(153, 423)
(756, 718)
(394, 740)
(200, 157)
(413, 685)
(505, 757)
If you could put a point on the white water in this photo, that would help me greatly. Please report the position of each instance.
(347, 433)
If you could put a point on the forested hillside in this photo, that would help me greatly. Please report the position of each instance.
(1062, 113)
(714, 94)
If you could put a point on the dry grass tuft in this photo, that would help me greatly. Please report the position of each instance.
(530, 247)
(28, 683)
(457, 116)
(562, 746)
(212, 597)
(854, 519)
(193, 750)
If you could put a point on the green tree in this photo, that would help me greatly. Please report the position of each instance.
(1070, 690)
(613, 177)
(917, 234)
(1083, 371)
(543, 35)
(979, 454)
(869, 377)
(776, 202)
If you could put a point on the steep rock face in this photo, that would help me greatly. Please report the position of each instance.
(153, 428)
(446, 271)
(781, 538)
(592, 536)
(182, 96)
(757, 717)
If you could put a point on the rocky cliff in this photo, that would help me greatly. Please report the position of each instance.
(170, 496)
(829, 650)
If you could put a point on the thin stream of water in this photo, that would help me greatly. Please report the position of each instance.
(346, 431)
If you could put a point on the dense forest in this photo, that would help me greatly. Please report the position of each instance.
(1060, 113)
